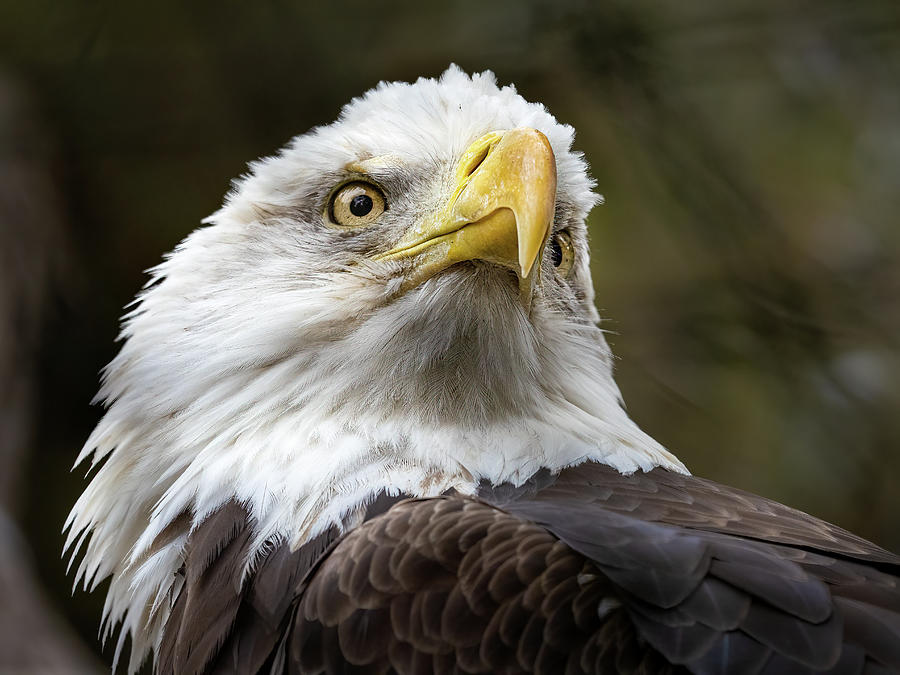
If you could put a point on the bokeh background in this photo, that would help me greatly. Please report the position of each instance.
(746, 260)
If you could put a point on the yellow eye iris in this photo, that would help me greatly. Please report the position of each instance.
(562, 252)
(356, 204)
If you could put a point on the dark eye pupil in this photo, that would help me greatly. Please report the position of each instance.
(360, 205)
(556, 253)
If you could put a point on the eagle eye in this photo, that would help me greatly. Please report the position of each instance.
(356, 204)
(562, 252)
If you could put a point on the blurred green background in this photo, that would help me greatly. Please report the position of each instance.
(745, 262)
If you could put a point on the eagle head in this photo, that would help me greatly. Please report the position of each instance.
(399, 301)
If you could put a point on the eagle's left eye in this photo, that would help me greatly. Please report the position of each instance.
(562, 252)
(356, 204)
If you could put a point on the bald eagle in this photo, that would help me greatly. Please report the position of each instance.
(365, 421)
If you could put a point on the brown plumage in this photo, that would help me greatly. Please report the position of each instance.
(588, 571)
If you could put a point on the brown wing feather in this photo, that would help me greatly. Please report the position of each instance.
(677, 499)
(585, 572)
(210, 595)
(221, 621)
(471, 589)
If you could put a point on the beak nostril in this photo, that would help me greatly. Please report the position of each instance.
(476, 154)
(478, 160)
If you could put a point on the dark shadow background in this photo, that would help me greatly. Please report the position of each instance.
(746, 260)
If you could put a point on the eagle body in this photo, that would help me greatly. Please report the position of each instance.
(365, 421)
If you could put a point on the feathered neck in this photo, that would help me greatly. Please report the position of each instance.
(378, 395)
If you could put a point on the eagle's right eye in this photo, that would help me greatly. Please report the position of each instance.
(356, 204)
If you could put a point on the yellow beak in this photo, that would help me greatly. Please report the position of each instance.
(500, 211)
